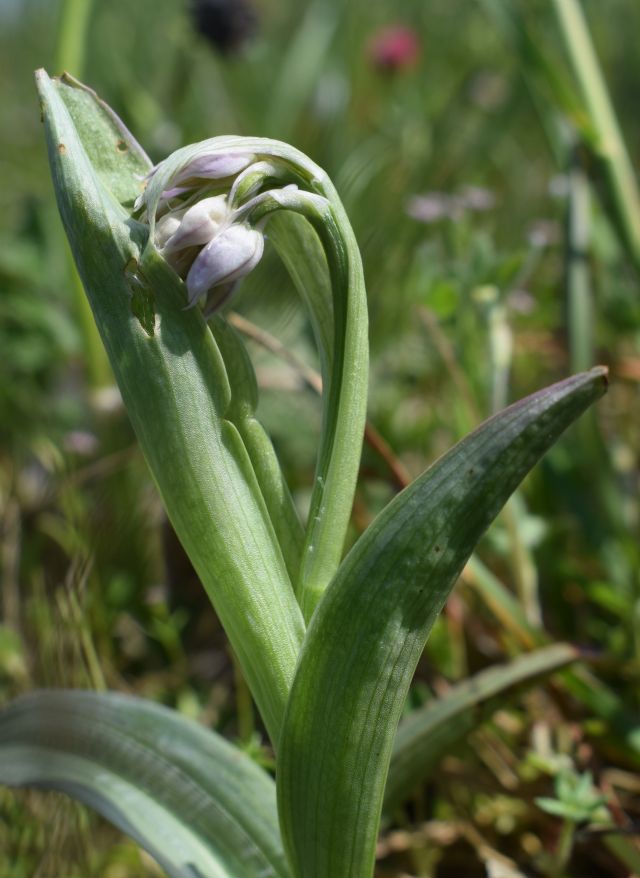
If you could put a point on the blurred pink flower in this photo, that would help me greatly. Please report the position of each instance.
(394, 48)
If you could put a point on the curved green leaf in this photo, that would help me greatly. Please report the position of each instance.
(427, 734)
(201, 807)
(370, 628)
(302, 253)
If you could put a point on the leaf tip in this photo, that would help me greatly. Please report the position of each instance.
(603, 373)
(42, 80)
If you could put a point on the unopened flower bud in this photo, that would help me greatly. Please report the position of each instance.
(166, 227)
(199, 224)
(231, 255)
(214, 167)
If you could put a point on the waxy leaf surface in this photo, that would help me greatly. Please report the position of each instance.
(201, 807)
(369, 630)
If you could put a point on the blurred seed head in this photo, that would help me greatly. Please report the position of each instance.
(544, 233)
(489, 90)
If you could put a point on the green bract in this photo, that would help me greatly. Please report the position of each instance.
(150, 244)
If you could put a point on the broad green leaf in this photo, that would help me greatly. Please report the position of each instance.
(367, 635)
(427, 734)
(201, 807)
(176, 391)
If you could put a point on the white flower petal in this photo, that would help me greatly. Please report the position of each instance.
(231, 255)
(200, 223)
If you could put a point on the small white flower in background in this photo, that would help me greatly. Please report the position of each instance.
(435, 206)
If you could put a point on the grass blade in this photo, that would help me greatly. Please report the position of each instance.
(607, 139)
(427, 734)
(369, 631)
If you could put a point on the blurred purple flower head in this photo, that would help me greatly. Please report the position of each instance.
(226, 24)
(394, 48)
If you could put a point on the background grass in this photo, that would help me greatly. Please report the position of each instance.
(495, 263)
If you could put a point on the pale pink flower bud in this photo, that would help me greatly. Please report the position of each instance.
(199, 224)
(214, 167)
(166, 227)
(231, 255)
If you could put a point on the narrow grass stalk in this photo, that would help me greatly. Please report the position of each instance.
(608, 140)
(72, 35)
(70, 55)
(578, 274)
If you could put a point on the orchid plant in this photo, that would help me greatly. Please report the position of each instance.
(328, 645)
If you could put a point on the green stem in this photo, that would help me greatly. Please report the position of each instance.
(98, 370)
(72, 32)
(345, 413)
(69, 55)
(605, 128)
(579, 295)
(563, 850)
(244, 704)
(345, 389)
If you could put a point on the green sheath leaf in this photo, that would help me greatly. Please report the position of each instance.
(242, 412)
(201, 807)
(370, 628)
(176, 391)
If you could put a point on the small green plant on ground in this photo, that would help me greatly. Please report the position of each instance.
(327, 645)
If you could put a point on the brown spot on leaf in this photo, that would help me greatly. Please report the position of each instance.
(62, 148)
